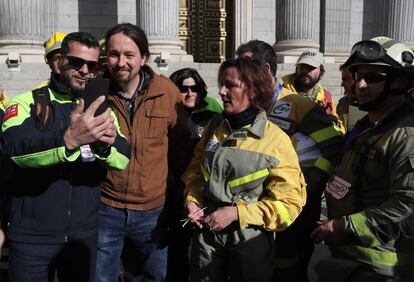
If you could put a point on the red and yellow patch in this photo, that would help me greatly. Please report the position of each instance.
(11, 111)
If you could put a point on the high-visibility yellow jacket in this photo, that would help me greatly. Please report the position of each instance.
(316, 139)
(254, 168)
(323, 98)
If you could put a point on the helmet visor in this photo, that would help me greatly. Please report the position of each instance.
(369, 50)
(372, 51)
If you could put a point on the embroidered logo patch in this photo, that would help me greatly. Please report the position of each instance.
(200, 130)
(212, 146)
(282, 109)
(86, 153)
(338, 187)
(285, 125)
(11, 111)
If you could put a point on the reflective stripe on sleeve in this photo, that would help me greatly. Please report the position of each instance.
(204, 173)
(46, 158)
(248, 178)
(376, 257)
(325, 134)
(284, 214)
(362, 228)
(323, 164)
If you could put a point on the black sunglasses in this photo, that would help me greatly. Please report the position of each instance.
(184, 88)
(78, 63)
(371, 77)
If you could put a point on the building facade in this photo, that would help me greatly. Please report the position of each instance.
(200, 33)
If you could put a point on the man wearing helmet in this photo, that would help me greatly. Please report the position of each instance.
(370, 196)
(52, 48)
(52, 55)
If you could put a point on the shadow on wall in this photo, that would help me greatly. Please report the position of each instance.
(97, 17)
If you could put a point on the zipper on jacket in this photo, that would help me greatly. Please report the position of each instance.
(69, 211)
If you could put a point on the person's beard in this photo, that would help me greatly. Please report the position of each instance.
(74, 90)
(302, 85)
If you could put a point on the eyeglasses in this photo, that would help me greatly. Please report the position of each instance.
(184, 88)
(371, 77)
(78, 63)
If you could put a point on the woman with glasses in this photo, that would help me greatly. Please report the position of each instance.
(199, 107)
(243, 183)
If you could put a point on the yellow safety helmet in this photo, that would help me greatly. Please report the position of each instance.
(54, 42)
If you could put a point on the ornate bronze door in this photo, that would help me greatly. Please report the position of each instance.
(206, 29)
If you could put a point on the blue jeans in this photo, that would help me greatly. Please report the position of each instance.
(147, 233)
(73, 261)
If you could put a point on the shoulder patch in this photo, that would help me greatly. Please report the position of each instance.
(281, 109)
(12, 111)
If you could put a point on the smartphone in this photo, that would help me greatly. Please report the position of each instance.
(95, 88)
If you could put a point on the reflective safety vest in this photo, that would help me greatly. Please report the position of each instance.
(307, 150)
(317, 140)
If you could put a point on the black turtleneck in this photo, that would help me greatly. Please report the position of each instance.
(241, 119)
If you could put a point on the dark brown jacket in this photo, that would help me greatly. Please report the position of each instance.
(158, 135)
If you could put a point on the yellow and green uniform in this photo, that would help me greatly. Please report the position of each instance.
(372, 190)
(42, 84)
(55, 193)
(319, 95)
(256, 170)
(317, 142)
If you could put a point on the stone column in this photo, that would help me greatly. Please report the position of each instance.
(159, 20)
(336, 28)
(297, 28)
(24, 26)
(243, 17)
(395, 19)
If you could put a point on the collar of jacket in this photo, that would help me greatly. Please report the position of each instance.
(289, 83)
(257, 128)
(259, 124)
(56, 86)
(155, 87)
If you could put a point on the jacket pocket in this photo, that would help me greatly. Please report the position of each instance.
(156, 123)
(247, 180)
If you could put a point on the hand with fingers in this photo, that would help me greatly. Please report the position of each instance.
(84, 128)
(195, 214)
(221, 218)
(329, 231)
(108, 138)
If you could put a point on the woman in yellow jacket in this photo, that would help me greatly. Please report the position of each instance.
(243, 183)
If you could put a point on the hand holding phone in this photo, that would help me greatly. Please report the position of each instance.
(93, 125)
(94, 88)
